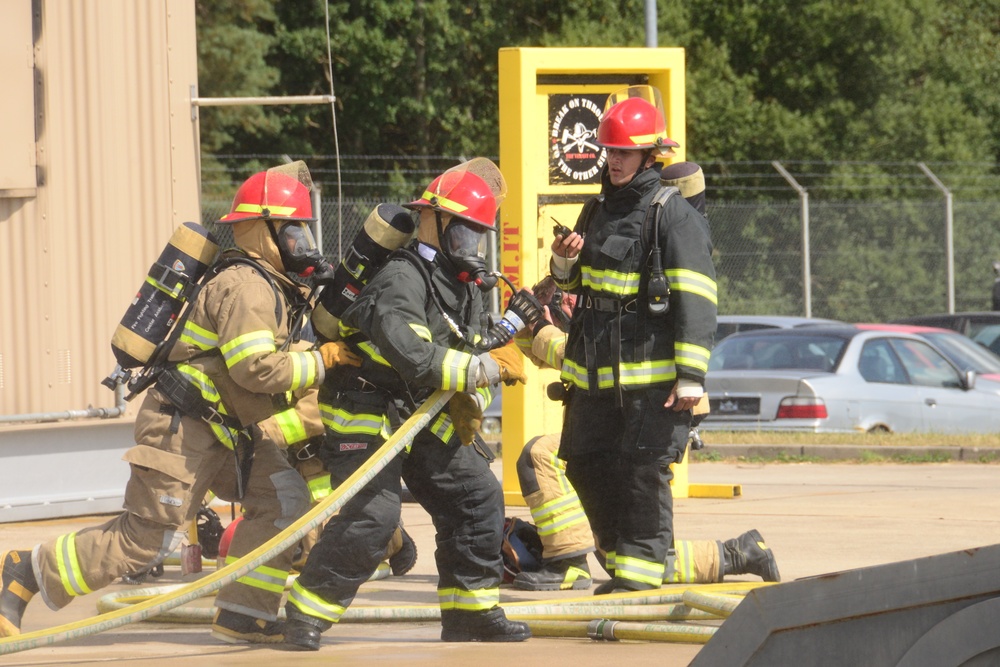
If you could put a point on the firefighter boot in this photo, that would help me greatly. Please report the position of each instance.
(488, 625)
(303, 632)
(405, 557)
(17, 586)
(557, 575)
(233, 627)
(747, 554)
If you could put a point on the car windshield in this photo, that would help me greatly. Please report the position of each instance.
(969, 355)
(750, 352)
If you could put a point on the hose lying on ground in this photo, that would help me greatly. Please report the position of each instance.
(265, 552)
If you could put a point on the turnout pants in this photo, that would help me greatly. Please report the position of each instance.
(171, 474)
(457, 488)
(618, 459)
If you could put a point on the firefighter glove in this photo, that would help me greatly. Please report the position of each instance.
(338, 354)
(511, 364)
(466, 416)
(488, 371)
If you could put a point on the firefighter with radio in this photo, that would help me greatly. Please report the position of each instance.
(195, 431)
(640, 261)
(417, 326)
(564, 537)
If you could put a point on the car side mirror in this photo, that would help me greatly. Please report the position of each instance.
(968, 380)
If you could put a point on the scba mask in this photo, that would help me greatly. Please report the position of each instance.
(298, 249)
(464, 244)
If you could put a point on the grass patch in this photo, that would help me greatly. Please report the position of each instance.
(873, 440)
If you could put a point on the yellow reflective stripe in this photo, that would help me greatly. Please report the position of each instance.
(342, 421)
(319, 487)
(486, 393)
(632, 374)
(646, 139)
(263, 577)
(444, 202)
(303, 370)
(200, 337)
(69, 566)
(566, 513)
(455, 370)
(576, 374)
(553, 350)
(684, 280)
(345, 330)
(636, 569)
(372, 351)
(478, 600)
(256, 208)
(422, 332)
(443, 428)
(313, 605)
(254, 342)
(693, 356)
(682, 570)
(611, 282)
(290, 424)
(609, 562)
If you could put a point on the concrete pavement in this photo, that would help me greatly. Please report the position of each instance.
(817, 517)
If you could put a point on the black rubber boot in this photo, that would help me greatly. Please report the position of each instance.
(747, 554)
(403, 560)
(558, 575)
(490, 625)
(303, 632)
(17, 587)
(233, 627)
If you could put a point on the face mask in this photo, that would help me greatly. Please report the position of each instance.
(465, 247)
(298, 249)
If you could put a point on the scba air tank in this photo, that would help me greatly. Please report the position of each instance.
(188, 254)
(387, 228)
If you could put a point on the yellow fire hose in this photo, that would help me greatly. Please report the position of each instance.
(265, 552)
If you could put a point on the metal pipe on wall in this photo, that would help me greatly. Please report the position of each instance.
(804, 207)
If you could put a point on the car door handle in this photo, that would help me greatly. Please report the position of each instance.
(931, 402)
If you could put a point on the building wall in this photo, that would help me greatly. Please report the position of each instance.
(99, 176)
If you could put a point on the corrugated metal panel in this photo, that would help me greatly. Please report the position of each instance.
(117, 172)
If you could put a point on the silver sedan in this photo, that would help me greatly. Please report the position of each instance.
(844, 380)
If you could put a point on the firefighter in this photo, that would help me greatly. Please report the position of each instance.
(639, 343)
(561, 523)
(414, 326)
(195, 430)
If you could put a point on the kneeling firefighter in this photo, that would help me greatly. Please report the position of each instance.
(195, 431)
(414, 325)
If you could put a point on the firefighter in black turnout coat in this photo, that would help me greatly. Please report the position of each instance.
(639, 341)
(414, 325)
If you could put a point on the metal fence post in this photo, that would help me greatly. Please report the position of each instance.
(804, 204)
(949, 234)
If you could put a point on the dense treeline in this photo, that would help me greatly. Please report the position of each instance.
(830, 80)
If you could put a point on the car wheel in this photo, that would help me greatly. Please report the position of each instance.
(879, 429)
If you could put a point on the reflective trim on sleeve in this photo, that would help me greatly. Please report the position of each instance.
(638, 374)
(291, 426)
(199, 337)
(692, 356)
(372, 351)
(241, 347)
(304, 369)
(692, 282)
(455, 370)
(443, 428)
(319, 487)
(422, 332)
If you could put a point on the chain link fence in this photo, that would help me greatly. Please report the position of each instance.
(876, 236)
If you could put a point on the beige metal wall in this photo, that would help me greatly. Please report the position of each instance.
(114, 172)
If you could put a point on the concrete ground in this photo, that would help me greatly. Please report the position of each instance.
(818, 518)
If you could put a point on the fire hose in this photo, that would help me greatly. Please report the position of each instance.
(284, 540)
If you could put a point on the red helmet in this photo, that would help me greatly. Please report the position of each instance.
(278, 193)
(634, 119)
(471, 191)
